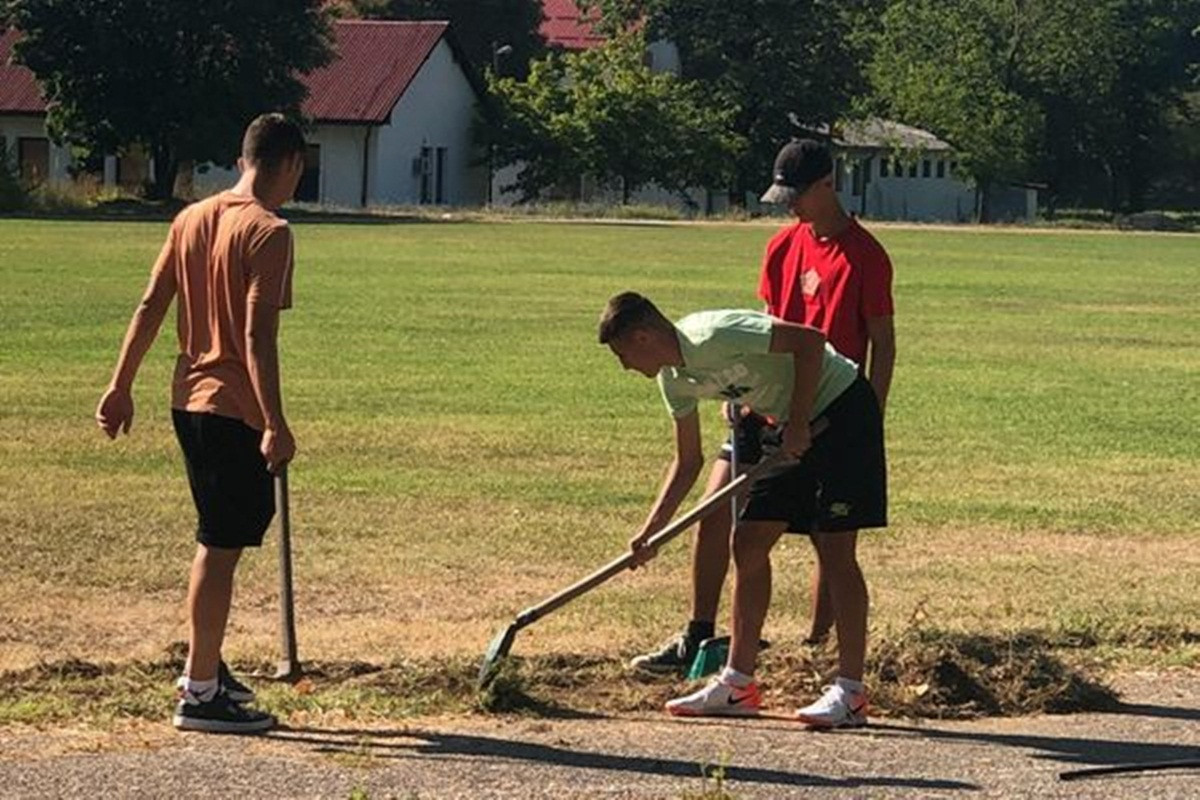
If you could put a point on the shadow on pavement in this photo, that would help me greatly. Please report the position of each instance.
(426, 744)
(1067, 750)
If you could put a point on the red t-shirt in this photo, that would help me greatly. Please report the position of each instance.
(835, 284)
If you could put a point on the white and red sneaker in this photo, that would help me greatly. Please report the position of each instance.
(718, 699)
(837, 708)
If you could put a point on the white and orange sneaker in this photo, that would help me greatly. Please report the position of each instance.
(837, 708)
(718, 699)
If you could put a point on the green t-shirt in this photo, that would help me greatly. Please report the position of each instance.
(726, 355)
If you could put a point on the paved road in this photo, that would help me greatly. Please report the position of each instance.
(626, 757)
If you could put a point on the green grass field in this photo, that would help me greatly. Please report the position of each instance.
(466, 447)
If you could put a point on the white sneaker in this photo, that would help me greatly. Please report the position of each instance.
(718, 699)
(837, 708)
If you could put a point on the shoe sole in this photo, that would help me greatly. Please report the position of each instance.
(829, 726)
(687, 712)
(649, 669)
(218, 726)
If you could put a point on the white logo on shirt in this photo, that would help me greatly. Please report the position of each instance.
(810, 281)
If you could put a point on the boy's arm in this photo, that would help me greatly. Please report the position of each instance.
(807, 347)
(115, 411)
(262, 362)
(681, 476)
(881, 334)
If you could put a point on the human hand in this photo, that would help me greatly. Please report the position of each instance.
(115, 412)
(278, 447)
(642, 552)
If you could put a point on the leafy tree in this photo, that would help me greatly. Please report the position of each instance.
(762, 62)
(179, 78)
(481, 26)
(1076, 93)
(603, 113)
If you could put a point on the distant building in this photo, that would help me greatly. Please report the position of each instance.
(391, 123)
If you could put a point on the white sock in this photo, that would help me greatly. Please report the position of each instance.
(850, 687)
(201, 690)
(739, 680)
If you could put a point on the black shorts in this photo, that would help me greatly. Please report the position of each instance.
(840, 484)
(233, 491)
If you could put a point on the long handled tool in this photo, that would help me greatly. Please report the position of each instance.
(500, 646)
(288, 668)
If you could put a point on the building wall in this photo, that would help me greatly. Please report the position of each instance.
(921, 198)
(436, 111)
(15, 127)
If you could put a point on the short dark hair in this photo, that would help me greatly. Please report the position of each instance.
(630, 311)
(270, 139)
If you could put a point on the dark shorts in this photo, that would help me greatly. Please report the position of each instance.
(233, 492)
(840, 484)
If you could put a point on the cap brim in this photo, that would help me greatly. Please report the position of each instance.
(779, 194)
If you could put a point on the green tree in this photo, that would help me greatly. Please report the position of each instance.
(603, 113)
(761, 62)
(1079, 94)
(952, 68)
(178, 78)
(482, 27)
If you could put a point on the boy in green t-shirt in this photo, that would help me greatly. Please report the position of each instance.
(835, 482)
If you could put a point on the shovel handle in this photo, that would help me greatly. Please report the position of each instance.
(619, 565)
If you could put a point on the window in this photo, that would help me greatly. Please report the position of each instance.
(856, 180)
(439, 195)
(883, 167)
(912, 170)
(926, 168)
(838, 179)
(33, 156)
(941, 170)
(953, 167)
(897, 168)
(309, 188)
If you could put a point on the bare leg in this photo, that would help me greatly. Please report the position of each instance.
(210, 591)
(822, 618)
(848, 590)
(710, 551)
(752, 543)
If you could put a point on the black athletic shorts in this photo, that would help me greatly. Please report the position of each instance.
(233, 491)
(840, 483)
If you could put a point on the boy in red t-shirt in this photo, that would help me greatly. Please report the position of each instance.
(828, 272)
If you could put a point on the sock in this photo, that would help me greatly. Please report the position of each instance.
(739, 680)
(698, 630)
(201, 690)
(849, 686)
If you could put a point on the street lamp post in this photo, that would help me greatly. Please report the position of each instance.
(498, 50)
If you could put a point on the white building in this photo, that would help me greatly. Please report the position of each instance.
(391, 123)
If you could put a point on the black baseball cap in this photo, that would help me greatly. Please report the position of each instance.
(800, 164)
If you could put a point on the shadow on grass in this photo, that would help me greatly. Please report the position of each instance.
(434, 744)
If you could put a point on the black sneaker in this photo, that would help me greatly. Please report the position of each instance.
(218, 715)
(238, 692)
(676, 655)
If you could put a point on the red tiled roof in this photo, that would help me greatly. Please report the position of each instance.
(563, 26)
(19, 90)
(376, 61)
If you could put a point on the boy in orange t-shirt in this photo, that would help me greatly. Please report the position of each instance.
(228, 260)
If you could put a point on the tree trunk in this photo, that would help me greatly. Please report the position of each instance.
(166, 165)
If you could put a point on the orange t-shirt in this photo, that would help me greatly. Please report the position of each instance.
(226, 251)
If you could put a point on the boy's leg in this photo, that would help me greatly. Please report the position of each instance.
(210, 592)
(848, 590)
(710, 563)
(733, 692)
(821, 617)
(752, 543)
(710, 551)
